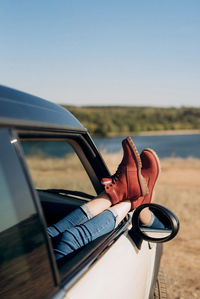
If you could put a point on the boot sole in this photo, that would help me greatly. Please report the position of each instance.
(156, 158)
(158, 166)
(136, 155)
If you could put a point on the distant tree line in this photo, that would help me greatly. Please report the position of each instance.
(107, 121)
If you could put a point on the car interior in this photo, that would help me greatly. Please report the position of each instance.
(56, 205)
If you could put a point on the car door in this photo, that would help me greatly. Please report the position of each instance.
(110, 267)
(25, 266)
(122, 271)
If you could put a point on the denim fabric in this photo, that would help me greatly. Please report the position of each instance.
(76, 217)
(87, 211)
(80, 235)
(157, 223)
(154, 223)
(113, 210)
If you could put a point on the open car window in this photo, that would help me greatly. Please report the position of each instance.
(54, 165)
(64, 179)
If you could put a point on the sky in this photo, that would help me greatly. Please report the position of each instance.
(105, 52)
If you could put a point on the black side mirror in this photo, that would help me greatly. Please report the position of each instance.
(140, 232)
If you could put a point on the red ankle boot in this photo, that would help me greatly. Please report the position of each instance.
(127, 182)
(150, 171)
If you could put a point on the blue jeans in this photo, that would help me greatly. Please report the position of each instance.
(79, 228)
(76, 230)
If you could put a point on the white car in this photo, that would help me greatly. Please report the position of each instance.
(49, 165)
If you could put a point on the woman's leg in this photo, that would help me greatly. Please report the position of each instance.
(150, 220)
(81, 215)
(80, 235)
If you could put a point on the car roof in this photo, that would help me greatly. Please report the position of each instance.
(18, 107)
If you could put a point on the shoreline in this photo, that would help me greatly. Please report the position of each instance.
(152, 133)
(171, 132)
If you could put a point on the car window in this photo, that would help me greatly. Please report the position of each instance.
(25, 270)
(54, 164)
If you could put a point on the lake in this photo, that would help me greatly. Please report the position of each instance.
(165, 146)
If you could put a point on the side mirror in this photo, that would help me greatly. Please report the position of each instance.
(140, 232)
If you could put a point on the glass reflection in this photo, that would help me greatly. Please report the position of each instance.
(154, 223)
(156, 233)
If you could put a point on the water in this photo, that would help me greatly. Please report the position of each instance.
(166, 146)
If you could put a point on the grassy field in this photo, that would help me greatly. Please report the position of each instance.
(178, 189)
(59, 173)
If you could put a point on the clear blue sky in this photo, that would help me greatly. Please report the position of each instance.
(108, 52)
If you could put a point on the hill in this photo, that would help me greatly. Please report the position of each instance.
(108, 121)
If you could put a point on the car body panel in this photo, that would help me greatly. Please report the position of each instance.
(123, 271)
(17, 105)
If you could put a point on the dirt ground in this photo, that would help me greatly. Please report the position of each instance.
(178, 188)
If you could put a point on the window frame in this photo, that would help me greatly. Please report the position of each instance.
(78, 265)
(87, 153)
(79, 155)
